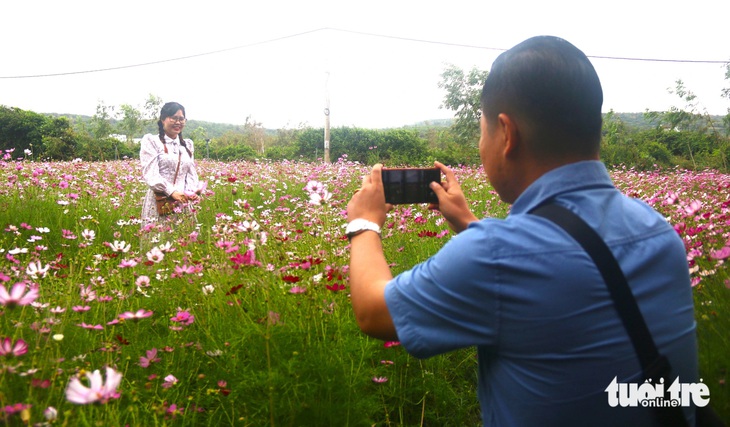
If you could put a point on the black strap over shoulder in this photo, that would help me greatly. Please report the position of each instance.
(654, 365)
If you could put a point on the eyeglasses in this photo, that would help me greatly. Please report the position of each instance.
(177, 119)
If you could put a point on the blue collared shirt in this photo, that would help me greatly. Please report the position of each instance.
(522, 291)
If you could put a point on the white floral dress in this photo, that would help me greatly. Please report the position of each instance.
(158, 170)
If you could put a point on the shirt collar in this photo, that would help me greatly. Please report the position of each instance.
(169, 140)
(568, 178)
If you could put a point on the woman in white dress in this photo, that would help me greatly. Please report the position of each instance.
(168, 166)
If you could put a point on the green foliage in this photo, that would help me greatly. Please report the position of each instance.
(21, 130)
(367, 146)
(59, 140)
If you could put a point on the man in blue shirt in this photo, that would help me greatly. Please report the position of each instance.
(521, 290)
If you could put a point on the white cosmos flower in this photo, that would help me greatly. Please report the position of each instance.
(36, 269)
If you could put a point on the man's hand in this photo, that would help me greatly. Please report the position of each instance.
(369, 201)
(452, 203)
(369, 271)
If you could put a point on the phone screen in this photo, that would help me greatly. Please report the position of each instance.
(410, 185)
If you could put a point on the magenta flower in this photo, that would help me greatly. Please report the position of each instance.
(298, 290)
(15, 408)
(17, 295)
(183, 317)
(249, 258)
(7, 348)
(98, 391)
(139, 314)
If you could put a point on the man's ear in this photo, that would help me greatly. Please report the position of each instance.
(510, 134)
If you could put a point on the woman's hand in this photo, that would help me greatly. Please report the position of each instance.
(179, 196)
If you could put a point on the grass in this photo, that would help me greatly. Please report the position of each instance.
(263, 273)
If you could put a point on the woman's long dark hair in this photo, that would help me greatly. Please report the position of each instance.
(169, 110)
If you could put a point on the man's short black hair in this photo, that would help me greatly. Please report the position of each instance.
(551, 90)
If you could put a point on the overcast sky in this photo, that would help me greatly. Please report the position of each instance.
(378, 61)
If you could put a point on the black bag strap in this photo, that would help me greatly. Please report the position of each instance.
(654, 365)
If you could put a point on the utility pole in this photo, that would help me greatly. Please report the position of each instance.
(327, 120)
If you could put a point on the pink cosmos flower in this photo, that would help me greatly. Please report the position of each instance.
(274, 318)
(80, 308)
(170, 381)
(7, 348)
(380, 380)
(127, 263)
(139, 314)
(85, 326)
(142, 282)
(87, 294)
(17, 295)
(185, 269)
(155, 255)
(314, 187)
(98, 391)
(151, 358)
(721, 254)
(297, 290)
(693, 207)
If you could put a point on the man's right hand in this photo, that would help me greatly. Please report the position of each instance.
(452, 202)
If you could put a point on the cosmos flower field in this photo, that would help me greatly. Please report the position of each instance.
(240, 314)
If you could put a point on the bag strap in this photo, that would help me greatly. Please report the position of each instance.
(654, 365)
(179, 156)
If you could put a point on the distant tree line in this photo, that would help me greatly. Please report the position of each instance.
(687, 137)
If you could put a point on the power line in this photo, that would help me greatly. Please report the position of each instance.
(121, 67)
(502, 49)
(386, 36)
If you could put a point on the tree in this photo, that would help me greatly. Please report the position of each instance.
(691, 118)
(151, 108)
(255, 135)
(59, 139)
(463, 93)
(20, 129)
(129, 121)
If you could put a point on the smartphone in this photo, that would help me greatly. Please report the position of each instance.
(410, 185)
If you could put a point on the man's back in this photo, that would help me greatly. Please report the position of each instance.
(526, 294)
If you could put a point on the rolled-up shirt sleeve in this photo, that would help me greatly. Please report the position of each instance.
(150, 152)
